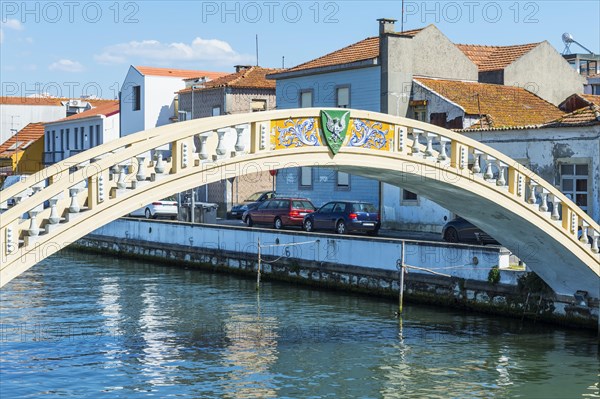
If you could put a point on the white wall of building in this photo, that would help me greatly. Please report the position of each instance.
(67, 138)
(157, 101)
(13, 116)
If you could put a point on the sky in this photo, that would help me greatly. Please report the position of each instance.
(79, 48)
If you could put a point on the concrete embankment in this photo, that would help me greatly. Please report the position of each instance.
(477, 278)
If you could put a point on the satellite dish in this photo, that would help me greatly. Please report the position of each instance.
(567, 38)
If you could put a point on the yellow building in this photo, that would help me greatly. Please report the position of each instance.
(22, 153)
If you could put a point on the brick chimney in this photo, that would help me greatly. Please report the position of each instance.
(386, 26)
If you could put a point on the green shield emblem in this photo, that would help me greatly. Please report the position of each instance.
(335, 126)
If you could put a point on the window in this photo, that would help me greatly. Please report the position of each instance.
(183, 116)
(306, 98)
(68, 144)
(76, 138)
(343, 181)
(574, 183)
(306, 177)
(216, 111)
(327, 208)
(258, 105)
(98, 136)
(409, 198)
(343, 96)
(136, 97)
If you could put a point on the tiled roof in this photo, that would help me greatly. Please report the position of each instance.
(177, 73)
(29, 133)
(492, 58)
(587, 116)
(108, 109)
(250, 78)
(56, 101)
(594, 99)
(499, 106)
(364, 50)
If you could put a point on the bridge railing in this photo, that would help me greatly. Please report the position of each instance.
(38, 208)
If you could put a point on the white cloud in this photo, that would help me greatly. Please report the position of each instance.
(210, 50)
(13, 24)
(66, 66)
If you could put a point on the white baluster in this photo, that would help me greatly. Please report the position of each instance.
(160, 165)
(121, 183)
(584, 227)
(74, 207)
(203, 154)
(532, 185)
(239, 145)
(595, 237)
(544, 205)
(34, 229)
(489, 173)
(501, 181)
(220, 144)
(429, 149)
(443, 154)
(476, 166)
(415, 147)
(141, 172)
(555, 203)
(54, 217)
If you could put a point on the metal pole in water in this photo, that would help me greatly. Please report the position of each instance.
(401, 296)
(259, 266)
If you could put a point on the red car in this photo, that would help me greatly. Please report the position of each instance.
(280, 212)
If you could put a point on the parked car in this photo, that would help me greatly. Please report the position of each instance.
(461, 230)
(252, 202)
(165, 208)
(343, 217)
(280, 212)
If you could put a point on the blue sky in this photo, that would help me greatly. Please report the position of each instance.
(85, 47)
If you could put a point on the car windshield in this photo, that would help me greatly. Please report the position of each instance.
(254, 197)
(302, 205)
(364, 207)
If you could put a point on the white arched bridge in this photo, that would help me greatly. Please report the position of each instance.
(529, 216)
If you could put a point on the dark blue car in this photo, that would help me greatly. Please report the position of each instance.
(463, 231)
(343, 217)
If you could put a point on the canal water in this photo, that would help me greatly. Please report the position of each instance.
(86, 326)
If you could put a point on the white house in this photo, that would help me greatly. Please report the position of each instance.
(69, 136)
(148, 96)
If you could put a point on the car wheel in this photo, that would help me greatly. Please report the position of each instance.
(148, 214)
(278, 224)
(340, 228)
(451, 235)
(308, 225)
(249, 221)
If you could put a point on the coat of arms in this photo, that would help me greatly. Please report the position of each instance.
(335, 126)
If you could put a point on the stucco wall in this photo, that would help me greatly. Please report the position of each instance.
(25, 114)
(364, 89)
(546, 73)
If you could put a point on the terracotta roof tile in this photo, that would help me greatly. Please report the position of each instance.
(177, 73)
(499, 106)
(587, 116)
(29, 133)
(363, 50)
(250, 78)
(108, 109)
(594, 99)
(492, 58)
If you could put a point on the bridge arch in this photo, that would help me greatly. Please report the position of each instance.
(521, 210)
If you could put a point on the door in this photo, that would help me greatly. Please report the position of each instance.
(322, 215)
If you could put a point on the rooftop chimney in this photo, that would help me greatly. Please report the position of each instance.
(241, 67)
(386, 25)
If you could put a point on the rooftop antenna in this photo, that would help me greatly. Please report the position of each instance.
(402, 20)
(283, 62)
(257, 49)
(567, 39)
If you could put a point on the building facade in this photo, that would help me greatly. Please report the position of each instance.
(22, 153)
